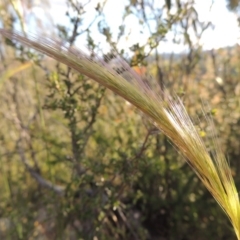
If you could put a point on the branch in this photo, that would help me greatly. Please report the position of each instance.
(41, 181)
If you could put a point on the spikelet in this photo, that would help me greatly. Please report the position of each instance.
(168, 114)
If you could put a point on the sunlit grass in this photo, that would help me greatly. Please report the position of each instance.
(166, 112)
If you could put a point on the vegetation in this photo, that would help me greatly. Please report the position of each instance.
(79, 162)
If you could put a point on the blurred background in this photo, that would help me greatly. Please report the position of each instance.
(77, 161)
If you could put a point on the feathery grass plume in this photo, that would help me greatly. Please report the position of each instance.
(167, 113)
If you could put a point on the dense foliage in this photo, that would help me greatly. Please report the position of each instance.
(78, 162)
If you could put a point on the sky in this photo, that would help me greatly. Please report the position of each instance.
(225, 32)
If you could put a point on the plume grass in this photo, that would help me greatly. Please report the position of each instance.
(167, 113)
